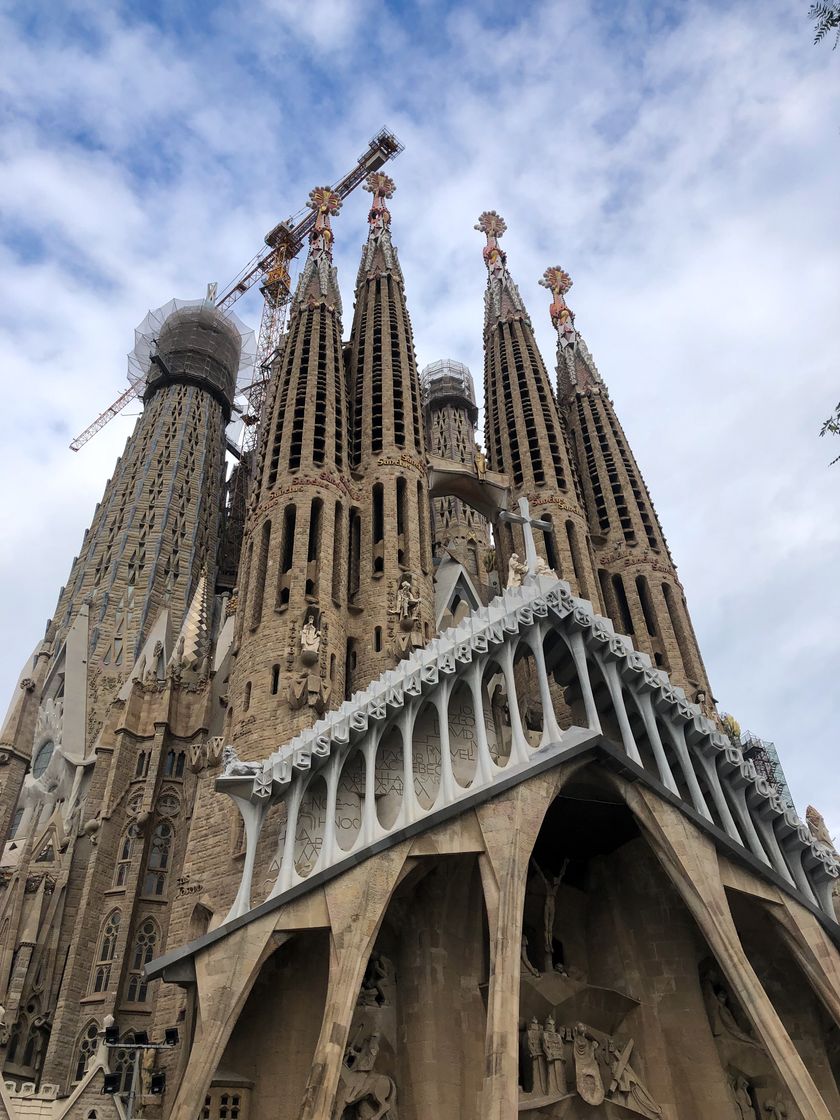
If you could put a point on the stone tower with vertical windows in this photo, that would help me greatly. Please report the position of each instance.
(451, 414)
(637, 578)
(390, 589)
(111, 721)
(363, 833)
(524, 431)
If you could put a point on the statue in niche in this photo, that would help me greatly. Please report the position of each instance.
(742, 1095)
(536, 1057)
(234, 767)
(362, 1093)
(480, 463)
(377, 982)
(555, 1058)
(407, 604)
(525, 959)
(721, 1016)
(310, 638)
(552, 886)
(588, 1081)
(516, 571)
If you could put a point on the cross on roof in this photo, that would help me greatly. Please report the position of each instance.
(528, 525)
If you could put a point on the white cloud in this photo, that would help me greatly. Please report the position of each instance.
(680, 162)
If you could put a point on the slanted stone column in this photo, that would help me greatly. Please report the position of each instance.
(690, 861)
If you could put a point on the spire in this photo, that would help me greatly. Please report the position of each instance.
(575, 366)
(502, 301)
(379, 257)
(193, 644)
(524, 433)
(318, 282)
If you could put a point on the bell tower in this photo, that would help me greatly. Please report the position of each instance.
(390, 593)
(637, 577)
(524, 431)
(291, 632)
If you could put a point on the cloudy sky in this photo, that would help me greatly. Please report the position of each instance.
(679, 160)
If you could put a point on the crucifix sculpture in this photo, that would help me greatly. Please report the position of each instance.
(528, 524)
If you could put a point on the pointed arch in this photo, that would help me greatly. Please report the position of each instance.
(86, 1042)
(146, 944)
(109, 933)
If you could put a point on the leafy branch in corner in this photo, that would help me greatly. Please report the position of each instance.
(832, 425)
(826, 18)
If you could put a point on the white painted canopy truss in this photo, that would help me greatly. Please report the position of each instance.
(459, 717)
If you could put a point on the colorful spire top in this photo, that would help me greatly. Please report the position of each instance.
(492, 225)
(381, 186)
(324, 201)
(558, 283)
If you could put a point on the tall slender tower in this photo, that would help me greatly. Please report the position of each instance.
(524, 431)
(291, 632)
(121, 695)
(390, 586)
(156, 528)
(637, 577)
(451, 413)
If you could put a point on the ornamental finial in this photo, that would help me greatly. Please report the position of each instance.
(492, 225)
(381, 186)
(324, 201)
(558, 283)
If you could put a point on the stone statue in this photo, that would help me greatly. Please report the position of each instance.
(549, 909)
(541, 568)
(523, 954)
(377, 982)
(361, 1087)
(743, 1098)
(588, 1081)
(819, 829)
(516, 571)
(480, 463)
(234, 767)
(536, 1056)
(625, 1087)
(310, 640)
(555, 1058)
(408, 605)
(722, 1018)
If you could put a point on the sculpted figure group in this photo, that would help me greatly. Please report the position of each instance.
(602, 1069)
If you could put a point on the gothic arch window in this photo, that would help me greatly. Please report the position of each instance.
(174, 762)
(86, 1050)
(157, 865)
(126, 854)
(122, 1062)
(145, 941)
(14, 1042)
(42, 758)
(105, 955)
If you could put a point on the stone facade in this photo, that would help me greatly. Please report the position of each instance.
(372, 847)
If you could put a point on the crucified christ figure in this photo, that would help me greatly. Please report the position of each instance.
(552, 886)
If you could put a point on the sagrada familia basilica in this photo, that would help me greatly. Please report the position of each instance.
(383, 778)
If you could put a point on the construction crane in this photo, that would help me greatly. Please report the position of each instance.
(269, 269)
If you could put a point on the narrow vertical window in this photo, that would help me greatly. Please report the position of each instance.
(625, 618)
(378, 529)
(259, 575)
(354, 562)
(284, 576)
(275, 679)
(338, 552)
(313, 548)
(403, 557)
